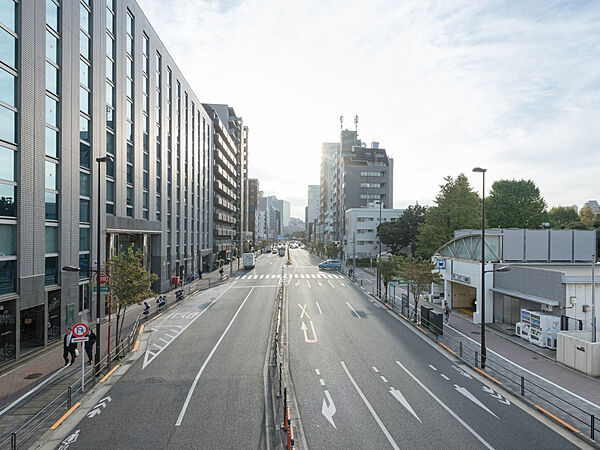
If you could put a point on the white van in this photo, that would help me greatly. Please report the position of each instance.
(248, 260)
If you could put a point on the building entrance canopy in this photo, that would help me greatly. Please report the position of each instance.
(528, 297)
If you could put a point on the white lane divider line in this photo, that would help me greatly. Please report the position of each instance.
(149, 356)
(375, 369)
(308, 282)
(443, 405)
(353, 310)
(164, 340)
(317, 372)
(432, 367)
(168, 335)
(384, 379)
(444, 377)
(371, 410)
(212, 352)
(322, 382)
(319, 308)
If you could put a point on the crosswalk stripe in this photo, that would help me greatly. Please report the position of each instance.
(254, 277)
(321, 275)
(296, 275)
(312, 275)
(260, 277)
(301, 275)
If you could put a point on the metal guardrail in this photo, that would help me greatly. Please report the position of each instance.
(74, 392)
(528, 388)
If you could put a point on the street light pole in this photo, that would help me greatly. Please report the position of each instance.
(483, 348)
(594, 295)
(379, 255)
(106, 159)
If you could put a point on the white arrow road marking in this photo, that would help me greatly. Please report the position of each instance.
(443, 405)
(496, 395)
(471, 397)
(319, 308)
(328, 410)
(487, 389)
(371, 410)
(398, 395)
(93, 413)
(505, 402)
(304, 313)
(304, 328)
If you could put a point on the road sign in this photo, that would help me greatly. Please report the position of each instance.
(80, 330)
(441, 263)
(103, 282)
(80, 339)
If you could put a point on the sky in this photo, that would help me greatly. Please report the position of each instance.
(443, 86)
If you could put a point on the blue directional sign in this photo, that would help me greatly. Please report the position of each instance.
(441, 263)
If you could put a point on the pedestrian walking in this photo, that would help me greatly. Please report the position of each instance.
(221, 273)
(446, 312)
(89, 346)
(146, 308)
(69, 347)
(200, 273)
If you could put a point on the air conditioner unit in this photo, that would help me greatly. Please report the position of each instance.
(546, 307)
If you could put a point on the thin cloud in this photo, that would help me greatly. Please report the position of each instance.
(443, 86)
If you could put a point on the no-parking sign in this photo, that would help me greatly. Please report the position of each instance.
(80, 330)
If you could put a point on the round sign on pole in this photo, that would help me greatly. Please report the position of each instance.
(80, 330)
(103, 278)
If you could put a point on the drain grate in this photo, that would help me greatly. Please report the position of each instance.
(33, 376)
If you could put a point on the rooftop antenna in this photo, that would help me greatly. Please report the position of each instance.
(355, 128)
(341, 122)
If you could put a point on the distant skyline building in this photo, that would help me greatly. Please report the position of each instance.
(327, 191)
(253, 207)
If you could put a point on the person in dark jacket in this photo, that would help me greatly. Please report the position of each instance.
(89, 346)
(69, 347)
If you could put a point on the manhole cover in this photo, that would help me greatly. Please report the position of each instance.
(32, 376)
(475, 332)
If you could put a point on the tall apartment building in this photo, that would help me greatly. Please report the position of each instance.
(82, 80)
(253, 207)
(237, 156)
(312, 208)
(284, 207)
(262, 217)
(363, 175)
(327, 189)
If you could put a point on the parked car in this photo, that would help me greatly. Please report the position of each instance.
(331, 264)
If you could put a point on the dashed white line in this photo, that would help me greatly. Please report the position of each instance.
(432, 367)
(322, 382)
(308, 282)
(444, 377)
(317, 371)
(384, 379)
(375, 369)
(371, 410)
(319, 308)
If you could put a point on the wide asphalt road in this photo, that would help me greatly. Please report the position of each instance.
(199, 383)
(363, 379)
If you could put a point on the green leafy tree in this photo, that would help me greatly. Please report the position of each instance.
(388, 269)
(515, 204)
(562, 216)
(404, 231)
(587, 215)
(130, 282)
(332, 250)
(457, 207)
(419, 274)
(577, 225)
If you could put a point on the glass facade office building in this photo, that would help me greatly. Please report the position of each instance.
(80, 79)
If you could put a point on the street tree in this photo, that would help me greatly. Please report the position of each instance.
(332, 250)
(515, 204)
(457, 207)
(586, 215)
(562, 216)
(130, 282)
(388, 269)
(403, 232)
(419, 274)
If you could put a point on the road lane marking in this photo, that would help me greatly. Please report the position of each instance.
(331, 284)
(308, 282)
(375, 369)
(148, 360)
(260, 277)
(172, 337)
(557, 419)
(343, 285)
(466, 393)
(370, 408)
(295, 275)
(212, 352)
(432, 367)
(319, 308)
(303, 313)
(443, 405)
(384, 379)
(353, 310)
(328, 409)
(444, 377)
(320, 284)
(105, 377)
(164, 340)
(301, 275)
(304, 328)
(65, 415)
(317, 372)
(398, 396)
(322, 382)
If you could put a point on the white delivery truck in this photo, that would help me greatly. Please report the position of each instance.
(248, 260)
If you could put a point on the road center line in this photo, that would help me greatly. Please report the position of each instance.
(371, 410)
(462, 422)
(353, 310)
(212, 352)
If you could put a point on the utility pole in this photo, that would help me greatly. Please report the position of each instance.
(594, 295)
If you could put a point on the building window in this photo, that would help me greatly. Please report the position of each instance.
(51, 273)
(84, 297)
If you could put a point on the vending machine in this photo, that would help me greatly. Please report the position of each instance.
(543, 329)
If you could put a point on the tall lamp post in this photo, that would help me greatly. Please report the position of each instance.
(100, 160)
(379, 255)
(483, 349)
